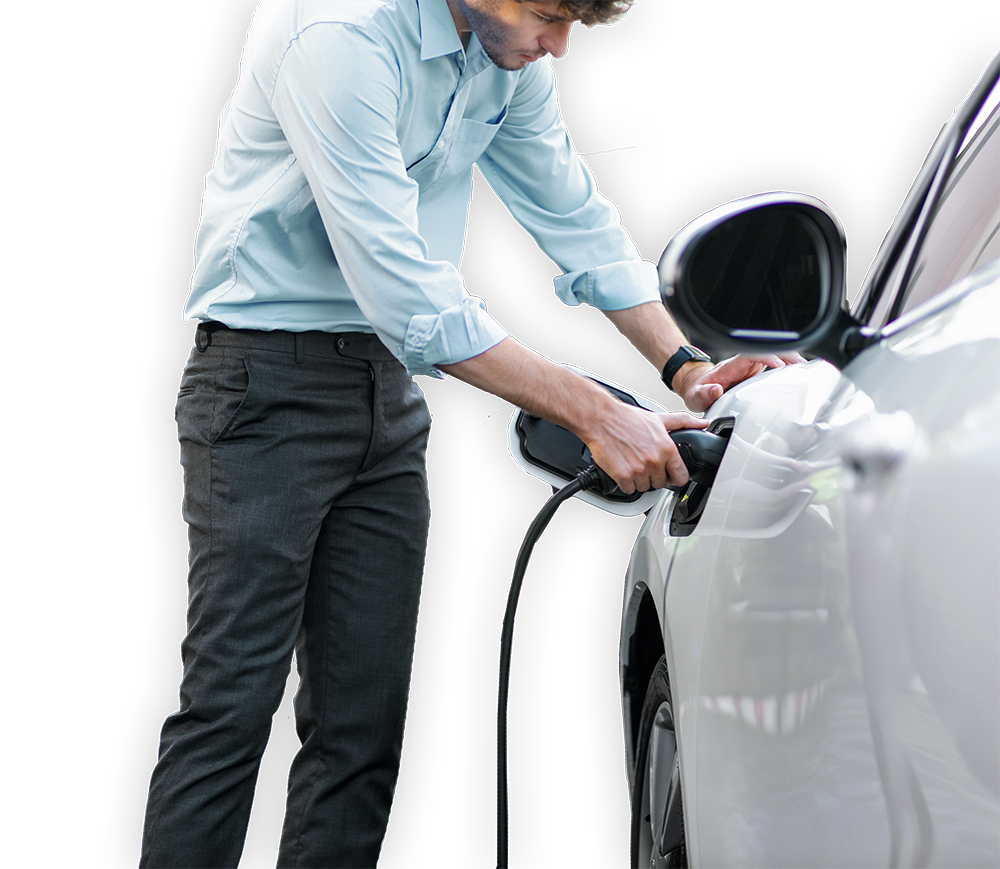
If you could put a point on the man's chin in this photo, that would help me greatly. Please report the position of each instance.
(514, 65)
(511, 62)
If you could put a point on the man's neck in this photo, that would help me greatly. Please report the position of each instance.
(461, 24)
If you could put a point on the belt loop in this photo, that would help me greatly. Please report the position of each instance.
(299, 347)
(203, 334)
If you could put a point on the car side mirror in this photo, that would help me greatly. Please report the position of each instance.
(765, 273)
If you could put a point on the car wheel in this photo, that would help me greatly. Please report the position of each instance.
(657, 817)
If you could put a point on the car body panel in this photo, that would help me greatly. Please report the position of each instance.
(814, 623)
(831, 628)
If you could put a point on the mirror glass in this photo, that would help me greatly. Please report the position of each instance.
(760, 270)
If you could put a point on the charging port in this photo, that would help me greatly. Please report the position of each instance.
(691, 500)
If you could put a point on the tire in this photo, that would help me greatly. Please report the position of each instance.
(657, 813)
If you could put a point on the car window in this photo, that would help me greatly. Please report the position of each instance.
(962, 232)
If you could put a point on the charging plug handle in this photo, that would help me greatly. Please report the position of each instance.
(700, 450)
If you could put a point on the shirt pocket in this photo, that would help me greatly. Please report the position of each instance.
(455, 150)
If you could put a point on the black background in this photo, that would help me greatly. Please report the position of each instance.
(695, 108)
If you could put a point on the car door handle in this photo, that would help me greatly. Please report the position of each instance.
(874, 444)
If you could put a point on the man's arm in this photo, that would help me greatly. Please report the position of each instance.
(654, 333)
(632, 445)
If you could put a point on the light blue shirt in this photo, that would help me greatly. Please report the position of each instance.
(340, 191)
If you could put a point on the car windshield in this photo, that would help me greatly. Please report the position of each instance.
(962, 232)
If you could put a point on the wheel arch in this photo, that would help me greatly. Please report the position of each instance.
(641, 647)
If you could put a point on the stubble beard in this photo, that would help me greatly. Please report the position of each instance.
(492, 38)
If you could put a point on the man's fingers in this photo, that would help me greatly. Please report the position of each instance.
(642, 456)
(677, 472)
(704, 396)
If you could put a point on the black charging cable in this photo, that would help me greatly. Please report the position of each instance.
(701, 452)
(593, 479)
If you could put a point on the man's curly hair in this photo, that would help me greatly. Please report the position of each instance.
(591, 12)
(596, 11)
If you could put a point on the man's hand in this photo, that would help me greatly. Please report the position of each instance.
(654, 333)
(634, 447)
(701, 384)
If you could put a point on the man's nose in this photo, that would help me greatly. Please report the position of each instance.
(556, 38)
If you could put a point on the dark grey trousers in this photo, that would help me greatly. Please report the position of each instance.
(306, 500)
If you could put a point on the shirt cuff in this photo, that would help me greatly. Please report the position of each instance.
(453, 335)
(611, 287)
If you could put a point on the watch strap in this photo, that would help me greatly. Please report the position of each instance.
(686, 353)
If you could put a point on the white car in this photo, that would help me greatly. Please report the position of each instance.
(810, 662)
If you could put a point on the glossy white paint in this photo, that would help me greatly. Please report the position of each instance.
(832, 628)
(832, 625)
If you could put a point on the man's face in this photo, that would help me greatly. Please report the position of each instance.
(513, 33)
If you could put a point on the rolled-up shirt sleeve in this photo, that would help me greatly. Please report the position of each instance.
(533, 169)
(340, 119)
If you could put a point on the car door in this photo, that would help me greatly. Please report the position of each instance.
(831, 624)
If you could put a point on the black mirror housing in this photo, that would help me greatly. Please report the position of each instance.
(765, 273)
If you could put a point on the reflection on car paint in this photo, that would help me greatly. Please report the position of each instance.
(773, 715)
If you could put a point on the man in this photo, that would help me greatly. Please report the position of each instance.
(326, 276)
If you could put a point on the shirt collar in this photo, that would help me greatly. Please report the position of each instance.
(438, 35)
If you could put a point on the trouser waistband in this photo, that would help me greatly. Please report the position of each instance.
(329, 345)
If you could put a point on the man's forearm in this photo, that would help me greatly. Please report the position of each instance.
(653, 332)
(650, 329)
(524, 378)
(530, 381)
(630, 444)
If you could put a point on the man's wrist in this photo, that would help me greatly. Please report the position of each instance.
(689, 376)
(685, 359)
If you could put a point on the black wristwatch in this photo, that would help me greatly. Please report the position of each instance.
(686, 353)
